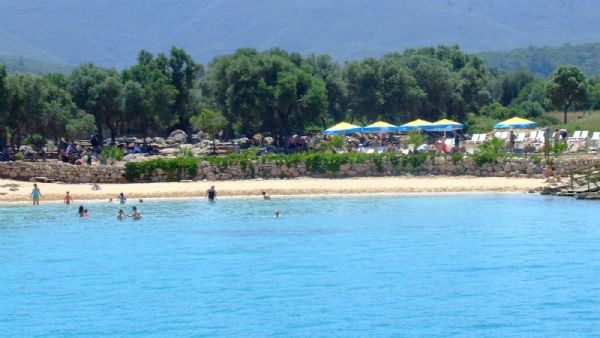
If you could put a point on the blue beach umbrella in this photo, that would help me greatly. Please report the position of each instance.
(446, 125)
(417, 124)
(379, 127)
(342, 128)
(515, 122)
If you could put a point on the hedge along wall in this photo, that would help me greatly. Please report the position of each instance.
(162, 169)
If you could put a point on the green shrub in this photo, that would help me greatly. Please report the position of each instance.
(185, 152)
(416, 138)
(112, 154)
(173, 167)
(456, 158)
(415, 160)
(489, 151)
(560, 148)
(536, 159)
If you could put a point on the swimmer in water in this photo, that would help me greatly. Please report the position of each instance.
(68, 198)
(85, 213)
(121, 215)
(122, 199)
(277, 214)
(81, 211)
(135, 213)
(141, 200)
(211, 194)
(110, 200)
(265, 196)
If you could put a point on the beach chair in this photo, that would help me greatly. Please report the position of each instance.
(473, 139)
(584, 134)
(504, 135)
(498, 134)
(576, 135)
(594, 141)
(520, 137)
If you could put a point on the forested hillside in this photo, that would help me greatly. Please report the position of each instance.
(543, 60)
(111, 32)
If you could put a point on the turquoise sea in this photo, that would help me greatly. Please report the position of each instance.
(497, 265)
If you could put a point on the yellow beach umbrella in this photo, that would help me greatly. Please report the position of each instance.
(446, 125)
(342, 128)
(379, 127)
(416, 124)
(515, 122)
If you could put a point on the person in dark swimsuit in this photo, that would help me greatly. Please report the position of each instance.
(211, 194)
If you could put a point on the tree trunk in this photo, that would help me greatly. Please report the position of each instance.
(565, 115)
(113, 134)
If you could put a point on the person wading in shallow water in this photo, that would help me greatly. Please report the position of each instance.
(211, 194)
(36, 194)
(68, 198)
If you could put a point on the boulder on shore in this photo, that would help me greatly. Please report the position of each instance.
(177, 136)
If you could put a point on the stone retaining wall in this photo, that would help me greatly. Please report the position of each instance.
(59, 171)
(510, 167)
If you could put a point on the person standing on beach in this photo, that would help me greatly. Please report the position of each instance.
(36, 194)
(122, 199)
(211, 194)
(68, 198)
(511, 141)
(266, 196)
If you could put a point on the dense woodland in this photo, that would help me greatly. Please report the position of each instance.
(278, 92)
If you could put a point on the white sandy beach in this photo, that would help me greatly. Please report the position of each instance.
(302, 186)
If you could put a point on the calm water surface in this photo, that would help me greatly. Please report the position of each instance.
(455, 265)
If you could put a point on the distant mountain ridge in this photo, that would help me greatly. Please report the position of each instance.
(26, 65)
(111, 32)
(543, 60)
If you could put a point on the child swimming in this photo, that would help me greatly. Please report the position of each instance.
(135, 213)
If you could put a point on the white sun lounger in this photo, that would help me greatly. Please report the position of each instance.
(584, 134)
(498, 134)
(596, 136)
(520, 137)
(576, 135)
(474, 138)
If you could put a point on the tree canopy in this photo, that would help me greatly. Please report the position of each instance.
(277, 92)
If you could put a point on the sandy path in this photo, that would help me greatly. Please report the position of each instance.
(56, 191)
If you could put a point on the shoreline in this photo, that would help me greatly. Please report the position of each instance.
(278, 197)
(287, 187)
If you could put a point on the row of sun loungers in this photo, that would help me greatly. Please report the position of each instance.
(580, 139)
